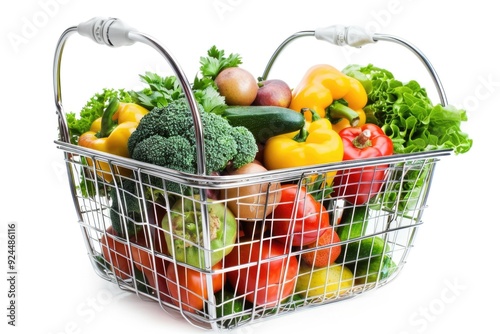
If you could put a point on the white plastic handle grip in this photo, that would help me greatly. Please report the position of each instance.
(109, 31)
(341, 35)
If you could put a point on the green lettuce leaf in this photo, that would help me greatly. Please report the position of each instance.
(407, 115)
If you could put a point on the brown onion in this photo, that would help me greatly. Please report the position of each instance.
(255, 201)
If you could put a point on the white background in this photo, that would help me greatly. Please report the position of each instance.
(449, 283)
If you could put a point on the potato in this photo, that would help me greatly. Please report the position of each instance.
(252, 202)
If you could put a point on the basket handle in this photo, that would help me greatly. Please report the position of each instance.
(357, 37)
(115, 33)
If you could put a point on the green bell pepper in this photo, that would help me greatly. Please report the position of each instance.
(184, 237)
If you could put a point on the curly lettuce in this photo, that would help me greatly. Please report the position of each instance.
(407, 115)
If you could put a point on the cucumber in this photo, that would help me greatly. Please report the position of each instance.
(351, 226)
(374, 270)
(353, 222)
(264, 121)
(364, 249)
(366, 257)
(230, 308)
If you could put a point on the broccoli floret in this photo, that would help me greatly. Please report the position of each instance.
(220, 144)
(247, 146)
(166, 122)
(174, 152)
(154, 124)
(157, 140)
(163, 151)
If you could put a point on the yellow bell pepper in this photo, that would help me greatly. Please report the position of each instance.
(332, 94)
(315, 143)
(110, 134)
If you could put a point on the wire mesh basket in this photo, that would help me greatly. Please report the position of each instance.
(163, 234)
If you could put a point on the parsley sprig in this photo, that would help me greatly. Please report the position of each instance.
(160, 91)
(216, 61)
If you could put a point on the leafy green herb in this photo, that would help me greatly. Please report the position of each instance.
(159, 92)
(216, 61)
(406, 114)
(210, 100)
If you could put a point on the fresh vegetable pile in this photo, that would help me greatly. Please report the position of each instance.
(260, 248)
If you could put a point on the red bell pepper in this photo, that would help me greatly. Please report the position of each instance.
(359, 185)
(299, 218)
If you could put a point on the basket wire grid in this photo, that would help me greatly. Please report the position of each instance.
(140, 200)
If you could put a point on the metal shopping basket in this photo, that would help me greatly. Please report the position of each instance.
(215, 292)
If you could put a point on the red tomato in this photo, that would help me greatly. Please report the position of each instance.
(190, 287)
(115, 252)
(298, 218)
(265, 276)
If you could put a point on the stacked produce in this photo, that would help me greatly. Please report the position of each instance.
(269, 245)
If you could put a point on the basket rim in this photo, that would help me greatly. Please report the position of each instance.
(221, 181)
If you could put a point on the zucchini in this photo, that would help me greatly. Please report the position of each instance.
(264, 121)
